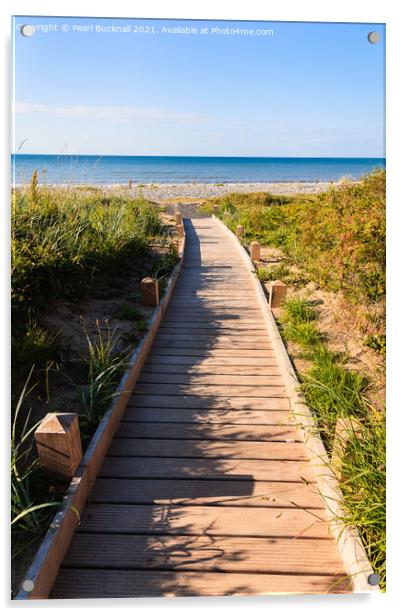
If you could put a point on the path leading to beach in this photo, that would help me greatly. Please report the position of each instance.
(207, 488)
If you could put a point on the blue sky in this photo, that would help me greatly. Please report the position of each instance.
(305, 90)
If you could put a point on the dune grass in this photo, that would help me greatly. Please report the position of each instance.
(62, 240)
(332, 391)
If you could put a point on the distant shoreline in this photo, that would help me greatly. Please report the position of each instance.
(200, 191)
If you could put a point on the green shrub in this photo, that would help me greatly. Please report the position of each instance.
(337, 237)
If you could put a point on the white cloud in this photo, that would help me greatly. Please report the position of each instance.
(118, 115)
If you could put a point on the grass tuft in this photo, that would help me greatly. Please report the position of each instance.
(105, 368)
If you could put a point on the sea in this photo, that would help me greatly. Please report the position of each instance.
(85, 169)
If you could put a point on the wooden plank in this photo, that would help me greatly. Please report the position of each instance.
(259, 470)
(221, 295)
(210, 391)
(214, 316)
(214, 337)
(204, 319)
(168, 448)
(221, 352)
(212, 305)
(215, 343)
(210, 379)
(210, 288)
(208, 521)
(200, 402)
(212, 343)
(222, 493)
(211, 359)
(307, 556)
(222, 327)
(201, 371)
(216, 299)
(92, 583)
(209, 416)
(210, 432)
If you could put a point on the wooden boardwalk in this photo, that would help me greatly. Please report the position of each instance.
(207, 488)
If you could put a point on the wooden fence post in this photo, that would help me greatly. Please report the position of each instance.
(277, 293)
(255, 251)
(58, 443)
(216, 209)
(149, 291)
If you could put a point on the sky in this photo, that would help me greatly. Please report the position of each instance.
(299, 89)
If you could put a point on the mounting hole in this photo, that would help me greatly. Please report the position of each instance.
(373, 37)
(28, 585)
(27, 30)
(374, 579)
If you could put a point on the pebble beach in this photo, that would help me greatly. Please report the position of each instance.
(200, 191)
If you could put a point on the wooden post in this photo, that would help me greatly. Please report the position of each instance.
(180, 230)
(255, 251)
(277, 293)
(179, 220)
(239, 231)
(149, 291)
(345, 428)
(58, 443)
(216, 210)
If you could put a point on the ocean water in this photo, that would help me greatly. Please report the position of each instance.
(68, 169)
